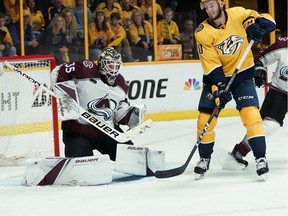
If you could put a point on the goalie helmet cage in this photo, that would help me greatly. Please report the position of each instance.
(28, 115)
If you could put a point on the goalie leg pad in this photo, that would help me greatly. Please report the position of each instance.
(138, 160)
(209, 136)
(252, 121)
(155, 161)
(82, 171)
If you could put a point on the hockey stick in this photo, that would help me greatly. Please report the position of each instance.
(273, 87)
(179, 170)
(90, 118)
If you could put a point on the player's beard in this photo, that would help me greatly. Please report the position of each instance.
(218, 15)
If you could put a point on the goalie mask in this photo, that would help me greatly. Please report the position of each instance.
(109, 63)
(202, 3)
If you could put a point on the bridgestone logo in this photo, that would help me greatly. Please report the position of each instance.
(101, 125)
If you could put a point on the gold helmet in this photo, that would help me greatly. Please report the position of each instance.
(203, 1)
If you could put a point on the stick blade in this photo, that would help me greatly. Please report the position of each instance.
(178, 170)
(170, 173)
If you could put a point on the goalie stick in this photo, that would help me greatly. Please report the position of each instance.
(90, 118)
(179, 170)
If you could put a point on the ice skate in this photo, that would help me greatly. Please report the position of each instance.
(262, 168)
(201, 168)
(235, 161)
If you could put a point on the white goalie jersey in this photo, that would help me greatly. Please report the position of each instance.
(109, 103)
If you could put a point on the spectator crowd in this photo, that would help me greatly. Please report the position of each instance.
(57, 27)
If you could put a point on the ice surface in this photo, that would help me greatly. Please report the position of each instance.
(220, 193)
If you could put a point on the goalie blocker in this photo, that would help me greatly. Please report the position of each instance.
(92, 170)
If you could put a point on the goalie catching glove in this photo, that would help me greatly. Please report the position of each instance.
(220, 96)
(129, 115)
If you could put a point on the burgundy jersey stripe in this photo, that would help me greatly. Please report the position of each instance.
(70, 91)
(51, 176)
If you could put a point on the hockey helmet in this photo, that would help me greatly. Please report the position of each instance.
(109, 64)
(202, 6)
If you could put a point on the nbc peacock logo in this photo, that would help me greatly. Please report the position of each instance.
(192, 84)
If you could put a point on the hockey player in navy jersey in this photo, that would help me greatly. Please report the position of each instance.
(221, 41)
(274, 107)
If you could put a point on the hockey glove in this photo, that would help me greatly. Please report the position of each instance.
(68, 108)
(137, 115)
(220, 96)
(260, 74)
(129, 115)
(255, 32)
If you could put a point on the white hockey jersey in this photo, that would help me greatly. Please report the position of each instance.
(277, 52)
